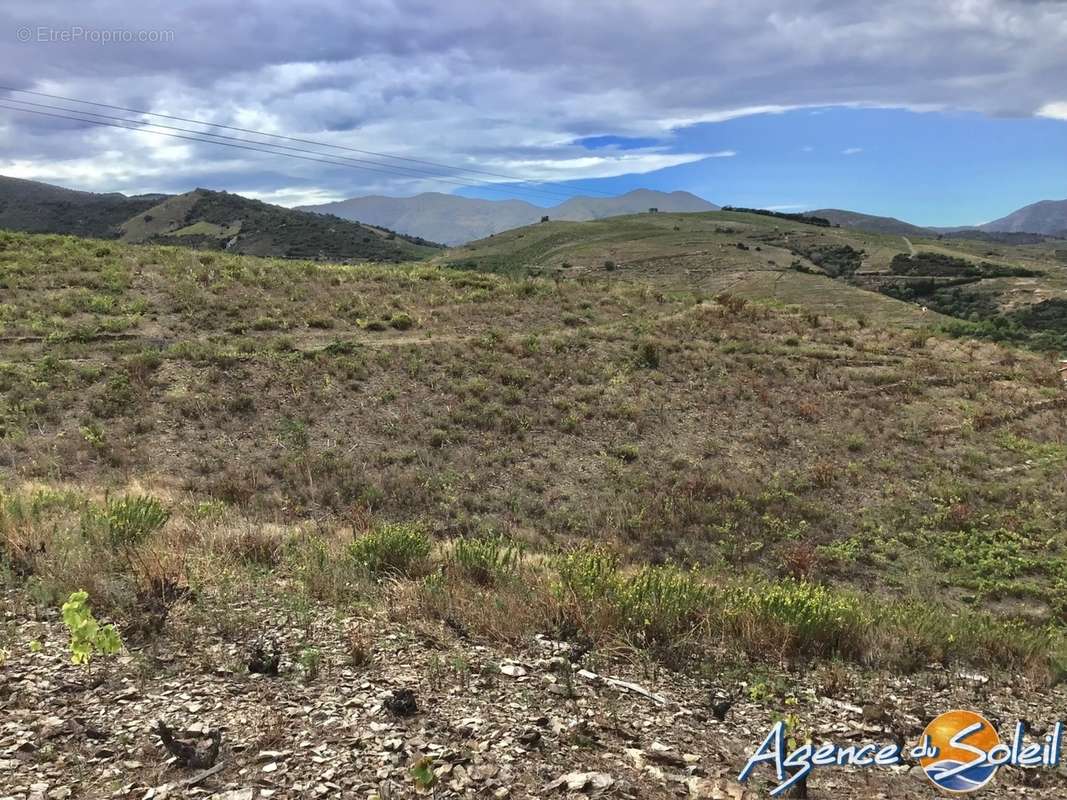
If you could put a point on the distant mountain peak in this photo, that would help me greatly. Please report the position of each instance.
(1047, 217)
(454, 219)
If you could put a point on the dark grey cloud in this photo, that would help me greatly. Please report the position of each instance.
(510, 83)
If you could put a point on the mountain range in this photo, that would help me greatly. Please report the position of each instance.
(453, 219)
(396, 228)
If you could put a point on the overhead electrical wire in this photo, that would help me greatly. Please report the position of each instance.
(139, 127)
(453, 171)
(411, 172)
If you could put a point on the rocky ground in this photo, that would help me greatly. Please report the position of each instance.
(384, 709)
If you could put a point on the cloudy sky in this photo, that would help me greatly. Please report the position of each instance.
(937, 111)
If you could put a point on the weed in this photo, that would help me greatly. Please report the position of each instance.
(310, 661)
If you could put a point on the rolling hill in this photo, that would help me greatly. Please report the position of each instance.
(224, 221)
(38, 207)
(453, 219)
(203, 219)
(869, 222)
(1046, 216)
(1016, 293)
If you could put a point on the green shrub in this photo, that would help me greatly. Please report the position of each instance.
(805, 617)
(663, 604)
(855, 442)
(402, 321)
(116, 399)
(486, 560)
(266, 324)
(648, 354)
(587, 574)
(658, 605)
(395, 549)
(125, 522)
(317, 566)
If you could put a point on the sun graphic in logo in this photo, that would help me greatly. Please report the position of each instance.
(962, 740)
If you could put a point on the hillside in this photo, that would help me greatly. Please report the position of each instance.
(457, 521)
(597, 397)
(42, 208)
(869, 222)
(1047, 216)
(201, 219)
(1016, 293)
(453, 219)
(224, 221)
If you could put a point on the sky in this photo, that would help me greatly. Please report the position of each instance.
(940, 112)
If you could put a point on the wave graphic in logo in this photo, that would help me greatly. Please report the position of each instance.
(960, 742)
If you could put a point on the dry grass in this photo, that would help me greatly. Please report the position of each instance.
(740, 438)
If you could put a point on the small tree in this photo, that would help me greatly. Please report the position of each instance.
(88, 637)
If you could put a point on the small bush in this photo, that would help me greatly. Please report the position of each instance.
(732, 303)
(88, 638)
(397, 549)
(587, 574)
(266, 324)
(116, 399)
(402, 321)
(320, 567)
(798, 616)
(125, 522)
(648, 354)
(486, 560)
(663, 604)
(626, 452)
(658, 605)
(241, 404)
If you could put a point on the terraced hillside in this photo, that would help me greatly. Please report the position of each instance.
(1021, 296)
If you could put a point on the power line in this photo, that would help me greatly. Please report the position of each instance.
(451, 168)
(405, 171)
(385, 169)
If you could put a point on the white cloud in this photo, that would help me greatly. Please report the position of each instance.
(851, 151)
(1053, 111)
(723, 115)
(504, 87)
